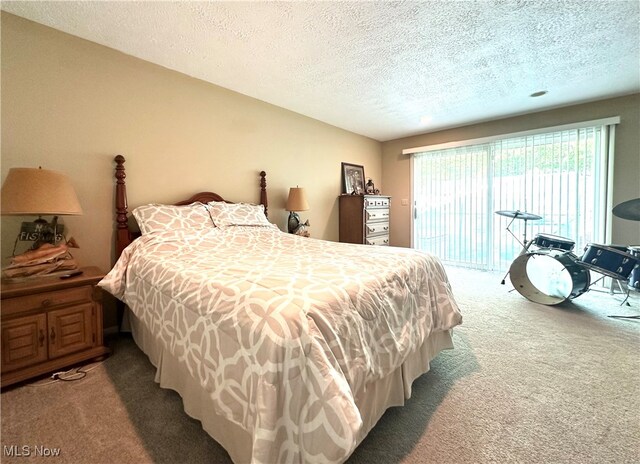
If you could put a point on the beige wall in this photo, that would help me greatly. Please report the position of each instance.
(396, 166)
(71, 105)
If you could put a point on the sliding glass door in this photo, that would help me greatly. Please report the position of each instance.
(560, 176)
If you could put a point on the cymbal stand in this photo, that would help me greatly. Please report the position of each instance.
(524, 243)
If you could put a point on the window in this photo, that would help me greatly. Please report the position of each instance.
(560, 175)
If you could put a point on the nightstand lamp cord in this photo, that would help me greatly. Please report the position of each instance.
(76, 373)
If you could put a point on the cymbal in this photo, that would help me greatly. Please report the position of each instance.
(517, 214)
(628, 210)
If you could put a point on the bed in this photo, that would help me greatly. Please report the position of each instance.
(285, 348)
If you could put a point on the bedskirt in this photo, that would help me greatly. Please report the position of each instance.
(372, 401)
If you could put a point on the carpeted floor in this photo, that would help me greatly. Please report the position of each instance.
(526, 384)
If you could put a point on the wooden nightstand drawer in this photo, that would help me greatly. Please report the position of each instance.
(46, 300)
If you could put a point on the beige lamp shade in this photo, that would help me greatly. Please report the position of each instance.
(297, 200)
(30, 191)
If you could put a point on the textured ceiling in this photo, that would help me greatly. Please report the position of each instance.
(382, 69)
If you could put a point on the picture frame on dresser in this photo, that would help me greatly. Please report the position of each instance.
(352, 179)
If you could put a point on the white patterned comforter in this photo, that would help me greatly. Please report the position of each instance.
(282, 331)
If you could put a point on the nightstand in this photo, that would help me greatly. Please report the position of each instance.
(49, 324)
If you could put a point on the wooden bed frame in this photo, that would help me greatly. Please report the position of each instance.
(125, 234)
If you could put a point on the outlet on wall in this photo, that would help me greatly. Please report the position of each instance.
(404, 202)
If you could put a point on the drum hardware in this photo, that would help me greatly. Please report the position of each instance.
(524, 250)
(625, 317)
(626, 293)
(517, 214)
(634, 277)
(623, 288)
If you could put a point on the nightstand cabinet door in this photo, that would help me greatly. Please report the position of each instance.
(70, 330)
(24, 342)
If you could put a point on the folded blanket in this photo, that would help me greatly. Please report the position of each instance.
(44, 260)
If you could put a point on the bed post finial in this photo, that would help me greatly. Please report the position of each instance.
(122, 233)
(263, 192)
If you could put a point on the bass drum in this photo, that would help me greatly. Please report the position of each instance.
(549, 277)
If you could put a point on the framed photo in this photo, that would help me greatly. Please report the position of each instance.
(352, 179)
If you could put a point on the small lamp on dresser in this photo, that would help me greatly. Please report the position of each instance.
(38, 192)
(297, 201)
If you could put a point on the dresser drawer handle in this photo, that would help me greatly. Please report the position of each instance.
(41, 337)
(52, 335)
(46, 303)
(386, 228)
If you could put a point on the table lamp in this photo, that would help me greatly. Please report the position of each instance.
(30, 191)
(297, 201)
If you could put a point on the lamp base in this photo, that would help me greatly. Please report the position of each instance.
(293, 222)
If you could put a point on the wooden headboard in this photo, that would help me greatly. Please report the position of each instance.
(125, 234)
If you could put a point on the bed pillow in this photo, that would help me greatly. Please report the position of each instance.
(157, 218)
(237, 214)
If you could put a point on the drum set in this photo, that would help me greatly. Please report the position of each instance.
(548, 272)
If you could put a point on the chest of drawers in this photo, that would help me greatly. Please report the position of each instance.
(364, 219)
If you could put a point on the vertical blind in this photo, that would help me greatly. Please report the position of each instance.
(560, 176)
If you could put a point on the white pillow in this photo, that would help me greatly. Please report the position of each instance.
(157, 218)
(237, 214)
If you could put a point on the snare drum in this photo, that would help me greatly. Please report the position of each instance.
(609, 260)
(549, 276)
(553, 241)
